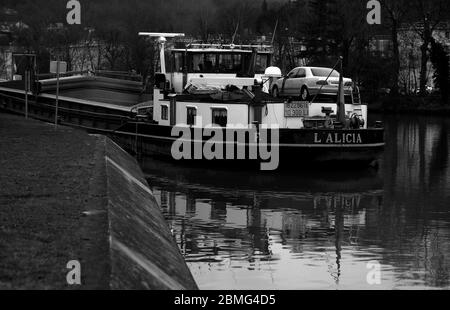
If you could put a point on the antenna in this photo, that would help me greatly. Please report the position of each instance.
(274, 32)
(161, 34)
(235, 33)
(162, 41)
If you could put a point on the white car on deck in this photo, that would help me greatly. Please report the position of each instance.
(305, 82)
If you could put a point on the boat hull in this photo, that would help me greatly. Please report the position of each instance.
(297, 148)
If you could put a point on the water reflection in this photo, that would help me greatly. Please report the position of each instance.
(417, 177)
(241, 230)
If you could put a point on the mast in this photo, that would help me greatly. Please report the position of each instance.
(274, 33)
(162, 39)
(235, 33)
(341, 98)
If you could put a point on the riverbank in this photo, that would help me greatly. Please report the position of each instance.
(66, 196)
(431, 105)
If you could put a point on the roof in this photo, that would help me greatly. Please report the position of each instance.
(216, 50)
(308, 67)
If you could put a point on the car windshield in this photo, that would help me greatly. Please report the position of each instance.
(324, 72)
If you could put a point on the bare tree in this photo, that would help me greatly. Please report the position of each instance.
(396, 13)
(3, 73)
(332, 29)
(429, 13)
(205, 22)
(114, 49)
(351, 22)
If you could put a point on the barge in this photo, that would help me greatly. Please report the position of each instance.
(218, 118)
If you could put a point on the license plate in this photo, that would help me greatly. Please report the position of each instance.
(296, 109)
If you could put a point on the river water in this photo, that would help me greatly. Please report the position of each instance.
(372, 229)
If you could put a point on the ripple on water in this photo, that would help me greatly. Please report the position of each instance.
(300, 231)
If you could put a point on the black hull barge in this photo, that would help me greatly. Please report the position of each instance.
(297, 148)
(153, 129)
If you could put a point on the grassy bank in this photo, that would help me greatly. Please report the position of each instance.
(46, 183)
(66, 195)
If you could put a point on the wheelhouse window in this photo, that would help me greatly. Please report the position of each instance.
(191, 116)
(197, 64)
(164, 112)
(178, 61)
(223, 62)
(220, 117)
(230, 63)
(203, 62)
(237, 62)
(210, 63)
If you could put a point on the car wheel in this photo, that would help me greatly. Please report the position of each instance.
(275, 92)
(304, 93)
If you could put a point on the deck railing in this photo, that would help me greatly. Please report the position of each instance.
(123, 75)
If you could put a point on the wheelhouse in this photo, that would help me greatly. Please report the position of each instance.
(219, 61)
(224, 61)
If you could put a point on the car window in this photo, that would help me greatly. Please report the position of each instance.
(301, 73)
(292, 73)
(324, 72)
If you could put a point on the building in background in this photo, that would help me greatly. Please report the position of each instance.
(410, 54)
(8, 20)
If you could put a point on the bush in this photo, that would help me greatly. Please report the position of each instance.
(440, 60)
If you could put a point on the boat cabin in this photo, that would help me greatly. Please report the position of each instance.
(243, 106)
(210, 60)
(227, 86)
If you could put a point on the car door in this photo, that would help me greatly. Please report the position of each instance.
(298, 81)
(288, 83)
